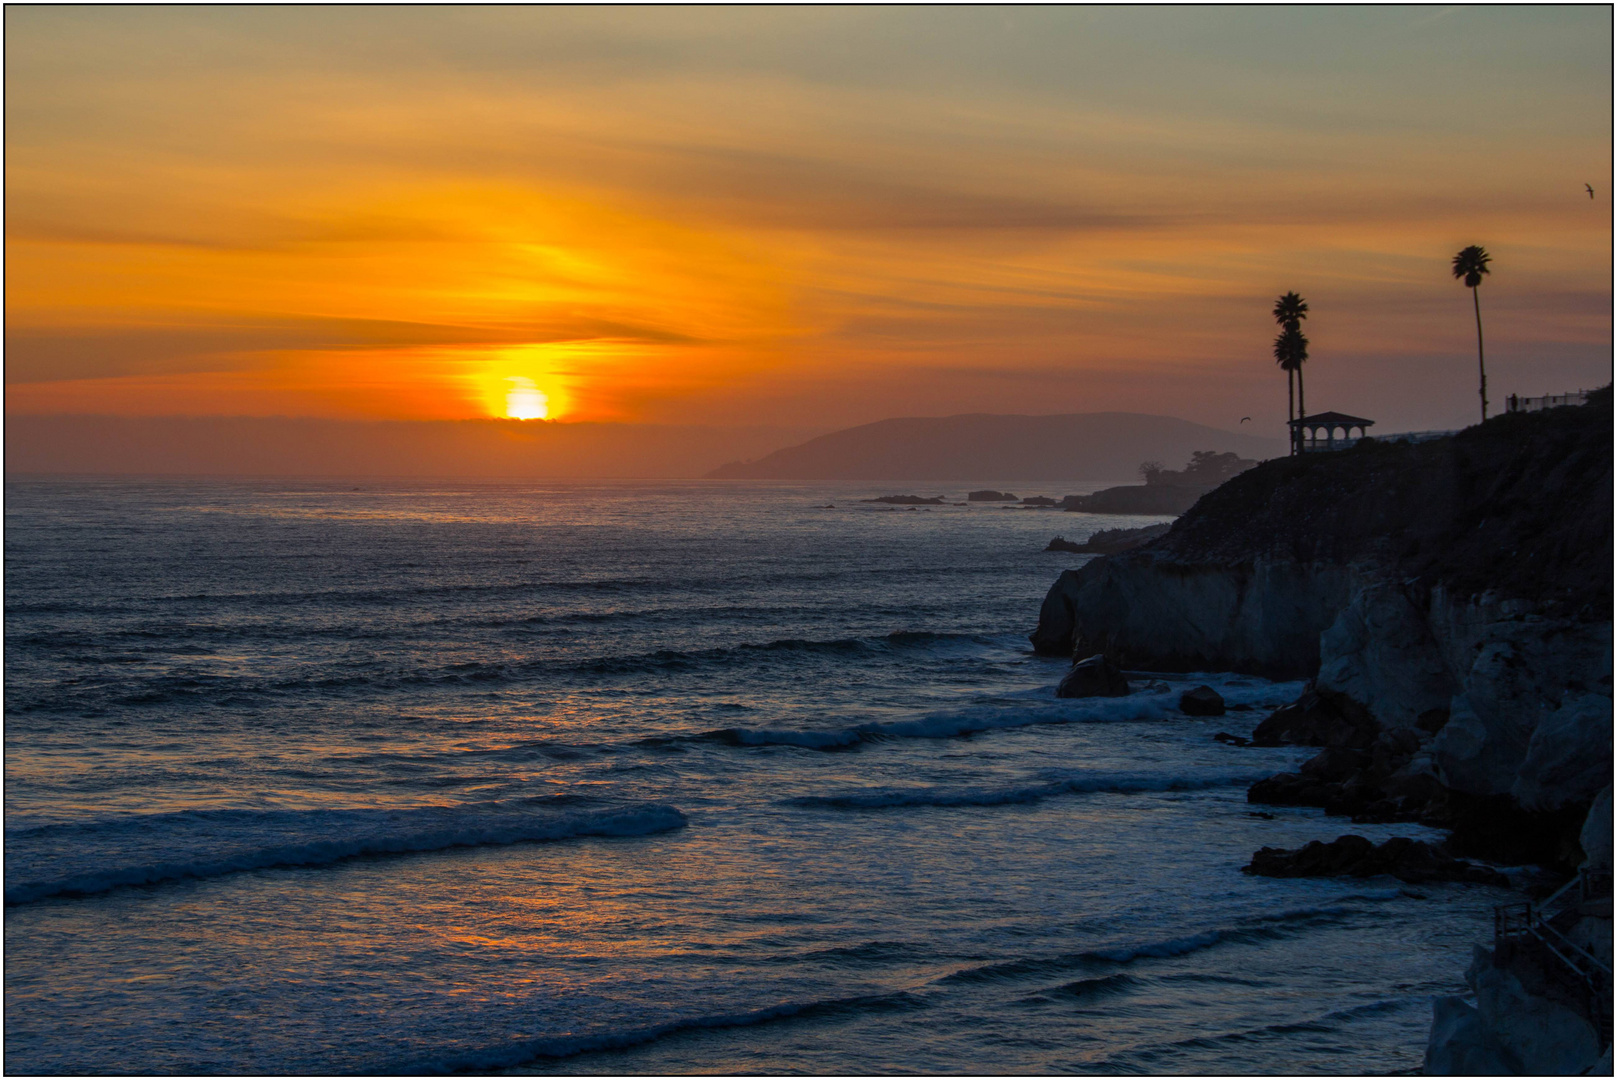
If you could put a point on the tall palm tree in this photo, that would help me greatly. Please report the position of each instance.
(1471, 263)
(1283, 358)
(1289, 312)
(1291, 349)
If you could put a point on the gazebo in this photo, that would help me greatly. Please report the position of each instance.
(1327, 422)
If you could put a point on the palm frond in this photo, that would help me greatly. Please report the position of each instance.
(1290, 349)
(1471, 263)
(1290, 310)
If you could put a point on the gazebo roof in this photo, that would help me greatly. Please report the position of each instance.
(1332, 419)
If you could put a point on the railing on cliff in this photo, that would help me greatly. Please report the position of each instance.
(1517, 924)
(1548, 401)
(1415, 436)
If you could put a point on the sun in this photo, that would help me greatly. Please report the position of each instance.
(525, 401)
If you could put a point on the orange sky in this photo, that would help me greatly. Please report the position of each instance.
(799, 216)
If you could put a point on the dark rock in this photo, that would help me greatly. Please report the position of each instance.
(1202, 701)
(906, 500)
(1232, 740)
(1039, 500)
(1137, 499)
(1367, 783)
(1412, 861)
(1112, 541)
(1291, 789)
(1057, 621)
(989, 495)
(1432, 720)
(1335, 764)
(1319, 718)
(1094, 677)
(1495, 827)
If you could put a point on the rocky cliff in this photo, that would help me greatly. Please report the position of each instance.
(1460, 590)
(1452, 602)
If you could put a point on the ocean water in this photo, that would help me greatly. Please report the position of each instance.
(640, 778)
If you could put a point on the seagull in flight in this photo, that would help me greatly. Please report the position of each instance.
(1590, 190)
(1244, 419)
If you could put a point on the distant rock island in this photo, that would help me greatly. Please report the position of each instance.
(1072, 446)
(1165, 491)
(907, 500)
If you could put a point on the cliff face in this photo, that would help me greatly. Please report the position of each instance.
(1518, 508)
(1460, 591)
(1461, 587)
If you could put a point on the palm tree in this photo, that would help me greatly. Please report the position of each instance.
(1471, 263)
(1291, 349)
(1283, 358)
(1289, 312)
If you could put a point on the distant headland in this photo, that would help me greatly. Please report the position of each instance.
(1071, 446)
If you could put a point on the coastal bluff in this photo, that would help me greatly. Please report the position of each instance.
(1451, 602)
(1457, 591)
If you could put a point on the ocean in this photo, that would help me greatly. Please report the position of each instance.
(649, 778)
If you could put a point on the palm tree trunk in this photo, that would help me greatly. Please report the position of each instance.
(1291, 401)
(1302, 410)
(1482, 372)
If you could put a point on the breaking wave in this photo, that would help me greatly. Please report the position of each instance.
(948, 725)
(517, 1053)
(1121, 783)
(155, 848)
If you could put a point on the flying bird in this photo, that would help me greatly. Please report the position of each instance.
(1244, 419)
(1590, 190)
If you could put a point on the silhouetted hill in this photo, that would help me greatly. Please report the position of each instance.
(289, 446)
(1073, 446)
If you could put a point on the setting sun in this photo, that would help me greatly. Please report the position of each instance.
(524, 401)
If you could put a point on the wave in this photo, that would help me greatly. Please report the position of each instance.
(1085, 989)
(513, 1054)
(897, 641)
(1330, 1023)
(947, 725)
(1120, 783)
(197, 683)
(121, 851)
(1263, 928)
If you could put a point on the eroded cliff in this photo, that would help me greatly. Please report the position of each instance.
(1460, 590)
(1452, 599)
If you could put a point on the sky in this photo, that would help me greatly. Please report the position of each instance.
(808, 217)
